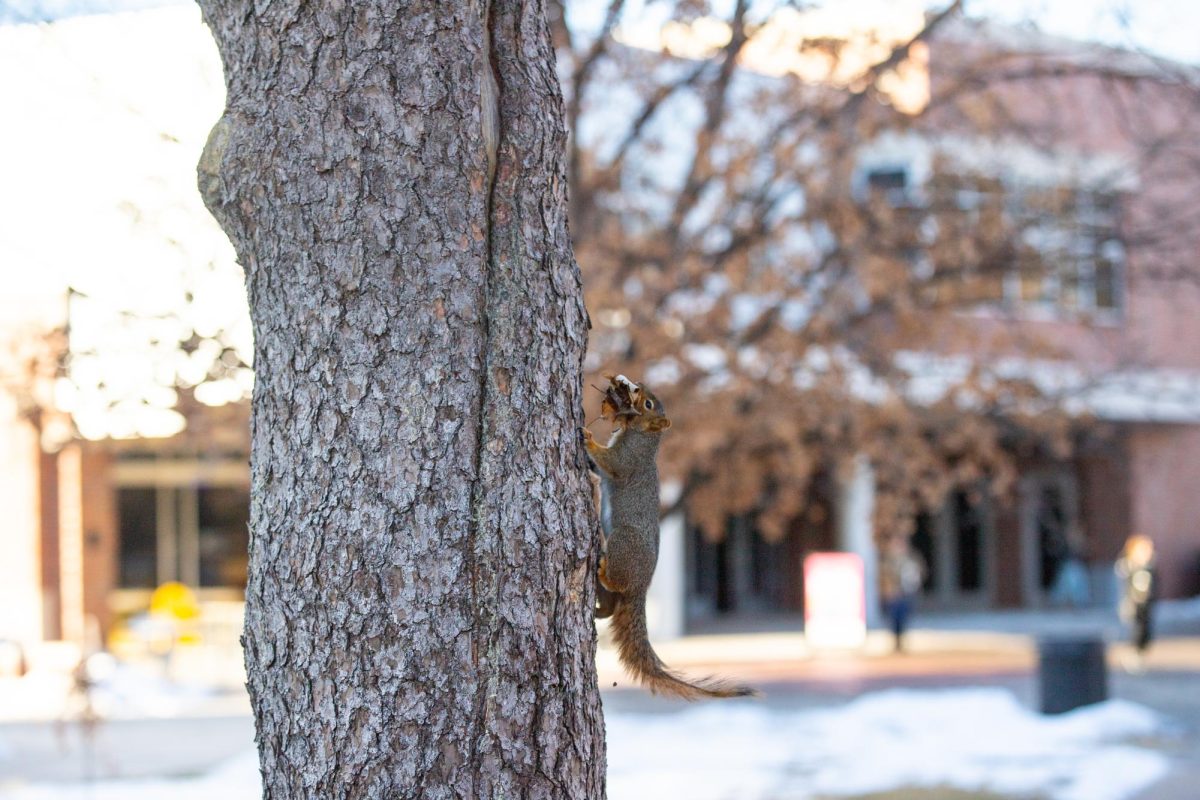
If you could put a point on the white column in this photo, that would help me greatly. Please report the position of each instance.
(668, 591)
(856, 507)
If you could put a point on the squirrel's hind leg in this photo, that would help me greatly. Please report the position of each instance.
(606, 601)
(602, 579)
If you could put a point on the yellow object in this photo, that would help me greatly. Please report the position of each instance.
(176, 601)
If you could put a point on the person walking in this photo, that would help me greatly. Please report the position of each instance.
(1136, 571)
(901, 575)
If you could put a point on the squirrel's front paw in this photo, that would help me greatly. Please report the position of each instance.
(586, 436)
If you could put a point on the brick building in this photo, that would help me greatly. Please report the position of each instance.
(1109, 191)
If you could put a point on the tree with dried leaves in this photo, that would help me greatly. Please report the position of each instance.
(419, 607)
(755, 244)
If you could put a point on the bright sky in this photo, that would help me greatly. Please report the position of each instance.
(115, 213)
(1163, 27)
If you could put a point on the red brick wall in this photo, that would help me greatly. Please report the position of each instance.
(1089, 113)
(1165, 486)
(1104, 501)
(1156, 488)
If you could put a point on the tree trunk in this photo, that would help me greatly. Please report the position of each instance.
(418, 617)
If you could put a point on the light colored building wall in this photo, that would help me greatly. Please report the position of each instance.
(20, 567)
(667, 599)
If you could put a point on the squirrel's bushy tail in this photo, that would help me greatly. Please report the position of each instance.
(628, 626)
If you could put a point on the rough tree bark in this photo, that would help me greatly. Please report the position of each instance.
(418, 619)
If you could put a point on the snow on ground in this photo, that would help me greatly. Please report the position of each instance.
(973, 739)
(121, 690)
(237, 779)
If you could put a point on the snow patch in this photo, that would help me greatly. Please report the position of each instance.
(976, 739)
(973, 739)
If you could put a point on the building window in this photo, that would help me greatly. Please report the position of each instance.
(893, 183)
(1070, 251)
(1056, 248)
(196, 535)
(224, 535)
(138, 554)
(969, 533)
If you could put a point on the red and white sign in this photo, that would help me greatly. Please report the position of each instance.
(835, 600)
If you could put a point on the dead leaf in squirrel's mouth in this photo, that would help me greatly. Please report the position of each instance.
(619, 400)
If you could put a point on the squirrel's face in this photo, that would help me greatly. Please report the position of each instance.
(632, 405)
(651, 416)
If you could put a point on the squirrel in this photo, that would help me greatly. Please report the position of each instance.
(627, 465)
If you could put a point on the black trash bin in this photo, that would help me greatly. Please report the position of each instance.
(1072, 671)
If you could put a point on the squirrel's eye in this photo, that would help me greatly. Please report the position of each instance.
(649, 405)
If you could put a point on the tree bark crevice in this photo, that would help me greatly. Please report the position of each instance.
(485, 598)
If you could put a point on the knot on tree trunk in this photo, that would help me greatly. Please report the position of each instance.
(208, 170)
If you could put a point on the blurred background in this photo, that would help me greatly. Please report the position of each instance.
(917, 282)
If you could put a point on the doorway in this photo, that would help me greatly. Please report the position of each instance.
(956, 544)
